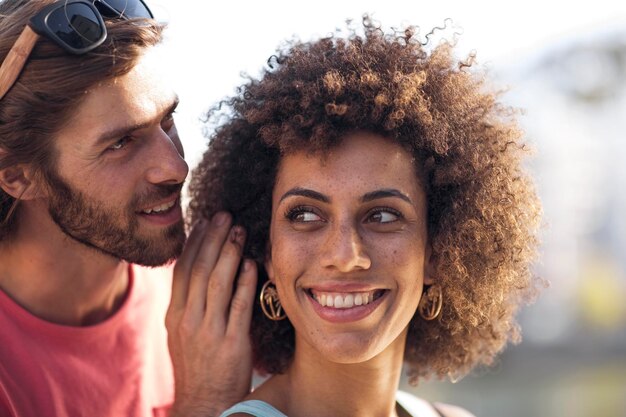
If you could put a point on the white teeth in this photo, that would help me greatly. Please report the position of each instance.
(358, 299)
(158, 209)
(348, 301)
(338, 301)
(343, 300)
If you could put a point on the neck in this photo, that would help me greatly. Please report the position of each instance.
(59, 279)
(315, 386)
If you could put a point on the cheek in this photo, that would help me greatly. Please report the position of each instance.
(111, 182)
(406, 264)
(406, 252)
(411, 257)
(289, 256)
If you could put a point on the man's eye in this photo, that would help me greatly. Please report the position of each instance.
(168, 122)
(383, 215)
(169, 116)
(120, 144)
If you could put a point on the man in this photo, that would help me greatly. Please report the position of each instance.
(91, 169)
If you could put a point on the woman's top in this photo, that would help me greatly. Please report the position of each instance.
(255, 408)
(414, 406)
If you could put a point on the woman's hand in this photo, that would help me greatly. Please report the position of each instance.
(208, 332)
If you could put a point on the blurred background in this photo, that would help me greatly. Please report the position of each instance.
(564, 63)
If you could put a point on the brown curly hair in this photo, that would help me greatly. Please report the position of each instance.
(483, 213)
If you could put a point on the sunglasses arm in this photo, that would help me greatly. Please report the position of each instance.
(16, 59)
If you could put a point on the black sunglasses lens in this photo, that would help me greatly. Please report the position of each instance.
(127, 8)
(76, 24)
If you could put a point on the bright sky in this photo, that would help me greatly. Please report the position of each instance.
(212, 42)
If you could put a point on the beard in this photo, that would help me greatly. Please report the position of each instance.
(114, 232)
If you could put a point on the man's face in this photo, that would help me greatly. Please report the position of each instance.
(119, 170)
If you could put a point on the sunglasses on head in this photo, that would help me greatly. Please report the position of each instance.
(75, 25)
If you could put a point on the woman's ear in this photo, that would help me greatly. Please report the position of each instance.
(17, 181)
(269, 266)
(429, 266)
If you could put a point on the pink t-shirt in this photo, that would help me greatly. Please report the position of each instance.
(120, 367)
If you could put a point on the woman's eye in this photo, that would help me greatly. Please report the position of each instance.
(307, 217)
(302, 215)
(383, 216)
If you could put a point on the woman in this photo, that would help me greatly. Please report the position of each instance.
(381, 188)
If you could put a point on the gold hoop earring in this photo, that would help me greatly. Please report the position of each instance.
(431, 303)
(270, 304)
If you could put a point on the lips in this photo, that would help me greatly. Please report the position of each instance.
(345, 303)
(160, 208)
(163, 213)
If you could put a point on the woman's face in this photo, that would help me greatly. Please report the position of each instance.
(349, 246)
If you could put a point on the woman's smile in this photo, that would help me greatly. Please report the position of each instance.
(344, 307)
(341, 300)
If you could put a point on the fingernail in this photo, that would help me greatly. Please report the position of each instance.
(236, 234)
(247, 264)
(219, 219)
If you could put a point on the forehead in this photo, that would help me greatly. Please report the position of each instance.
(362, 161)
(131, 99)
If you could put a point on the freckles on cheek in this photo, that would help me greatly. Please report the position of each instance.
(294, 260)
(290, 259)
(405, 258)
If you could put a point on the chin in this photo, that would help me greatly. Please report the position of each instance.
(351, 357)
(349, 350)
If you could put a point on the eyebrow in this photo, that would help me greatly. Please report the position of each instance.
(385, 193)
(374, 195)
(123, 131)
(304, 192)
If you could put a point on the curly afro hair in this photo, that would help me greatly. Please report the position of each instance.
(483, 213)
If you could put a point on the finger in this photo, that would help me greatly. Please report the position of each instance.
(180, 282)
(243, 301)
(204, 263)
(220, 288)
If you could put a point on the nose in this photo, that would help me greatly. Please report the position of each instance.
(345, 250)
(166, 163)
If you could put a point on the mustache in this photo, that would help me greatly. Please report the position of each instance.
(156, 193)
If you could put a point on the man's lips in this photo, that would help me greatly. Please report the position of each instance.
(164, 213)
(160, 207)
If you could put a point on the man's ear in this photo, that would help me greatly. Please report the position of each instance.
(429, 266)
(18, 182)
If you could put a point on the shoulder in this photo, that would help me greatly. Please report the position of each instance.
(448, 410)
(252, 408)
(416, 406)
